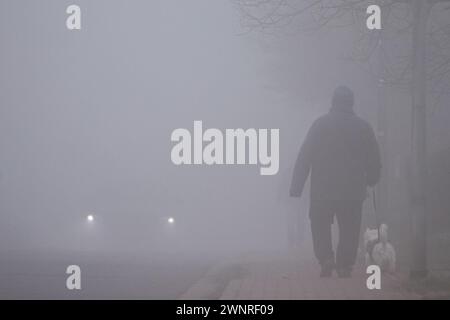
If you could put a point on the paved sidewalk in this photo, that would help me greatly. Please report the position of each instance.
(283, 277)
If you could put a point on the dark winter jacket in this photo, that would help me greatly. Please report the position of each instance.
(342, 154)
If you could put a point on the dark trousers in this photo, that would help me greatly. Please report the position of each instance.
(348, 215)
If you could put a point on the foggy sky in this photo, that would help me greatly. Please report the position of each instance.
(86, 118)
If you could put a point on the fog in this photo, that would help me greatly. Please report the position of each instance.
(86, 119)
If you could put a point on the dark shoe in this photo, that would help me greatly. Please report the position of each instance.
(344, 272)
(327, 270)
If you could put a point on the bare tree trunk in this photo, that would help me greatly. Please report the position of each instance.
(421, 11)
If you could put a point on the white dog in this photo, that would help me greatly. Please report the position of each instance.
(378, 250)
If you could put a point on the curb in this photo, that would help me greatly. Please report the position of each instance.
(212, 285)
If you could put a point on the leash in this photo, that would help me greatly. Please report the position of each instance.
(375, 211)
(372, 244)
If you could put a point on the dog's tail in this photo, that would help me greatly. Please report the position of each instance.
(383, 233)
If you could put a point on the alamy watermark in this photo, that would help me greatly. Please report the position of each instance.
(235, 146)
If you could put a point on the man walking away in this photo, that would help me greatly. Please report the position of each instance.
(342, 154)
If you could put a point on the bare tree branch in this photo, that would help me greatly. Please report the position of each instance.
(313, 15)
